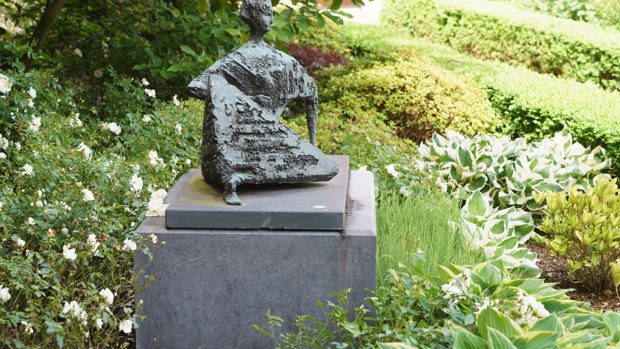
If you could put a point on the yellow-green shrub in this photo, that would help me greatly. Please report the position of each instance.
(417, 96)
(584, 228)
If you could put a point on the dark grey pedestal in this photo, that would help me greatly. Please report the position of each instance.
(197, 204)
(211, 286)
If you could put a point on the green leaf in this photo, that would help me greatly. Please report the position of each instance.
(497, 340)
(477, 204)
(550, 323)
(490, 318)
(464, 157)
(233, 31)
(188, 50)
(59, 341)
(467, 340)
(536, 340)
(612, 320)
(202, 6)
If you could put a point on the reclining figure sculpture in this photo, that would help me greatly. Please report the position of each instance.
(245, 92)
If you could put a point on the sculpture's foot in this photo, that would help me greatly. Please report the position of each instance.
(230, 193)
(232, 199)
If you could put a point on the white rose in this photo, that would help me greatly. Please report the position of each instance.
(34, 124)
(129, 244)
(107, 295)
(136, 183)
(5, 84)
(125, 326)
(5, 295)
(88, 195)
(149, 92)
(33, 93)
(69, 253)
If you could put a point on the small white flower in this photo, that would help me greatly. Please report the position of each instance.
(75, 121)
(38, 203)
(18, 146)
(4, 143)
(75, 311)
(154, 158)
(153, 238)
(149, 92)
(27, 327)
(98, 73)
(175, 101)
(88, 195)
(405, 192)
(31, 221)
(31, 103)
(69, 253)
(391, 169)
(363, 168)
(34, 124)
(178, 128)
(113, 127)
(84, 149)
(1, 205)
(78, 52)
(64, 230)
(92, 241)
(2, 155)
(125, 326)
(33, 93)
(5, 295)
(28, 170)
(98, 323)
(129, 244)
(5, 84)
(135, 183)
(146, 118)
(188, 162)
(156, 206)
(107, 295)
(20, 243)
(145, 82)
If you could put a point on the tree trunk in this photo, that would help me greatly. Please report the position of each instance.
(52, 10)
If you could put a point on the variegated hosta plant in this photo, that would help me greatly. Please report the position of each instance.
(501, 234)
(509, 171)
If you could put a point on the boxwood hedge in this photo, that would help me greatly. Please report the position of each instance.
(531, 105)
(502, 31)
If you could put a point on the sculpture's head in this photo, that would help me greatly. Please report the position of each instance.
(258, 15)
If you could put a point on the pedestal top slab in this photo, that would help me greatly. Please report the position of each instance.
(196, 204)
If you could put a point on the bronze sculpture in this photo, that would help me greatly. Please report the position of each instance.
(245, 93)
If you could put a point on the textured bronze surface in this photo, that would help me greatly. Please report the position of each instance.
(245, 93)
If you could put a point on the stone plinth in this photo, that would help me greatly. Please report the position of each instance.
(197, 204)
(211, 286)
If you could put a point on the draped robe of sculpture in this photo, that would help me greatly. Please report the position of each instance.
(245, 93)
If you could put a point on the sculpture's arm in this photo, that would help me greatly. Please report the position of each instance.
(199, 87)
(312, 110)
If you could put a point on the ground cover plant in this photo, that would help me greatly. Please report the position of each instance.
(502, 31)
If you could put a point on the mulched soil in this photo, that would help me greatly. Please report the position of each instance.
(554, 270)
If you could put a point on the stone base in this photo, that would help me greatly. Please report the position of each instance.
(211, 286)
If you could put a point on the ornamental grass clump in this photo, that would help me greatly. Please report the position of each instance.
(584, 227)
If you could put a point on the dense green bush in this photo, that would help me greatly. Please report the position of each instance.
(481, 306)
(72, 192)
(583, 228)
(531, 105)
(417, 97)
(169, 42)
(501, 31)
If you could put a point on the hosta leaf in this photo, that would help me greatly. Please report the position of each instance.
(467, 340)
(490, 318)
(536, 340)
(496, 340)
(477, 204)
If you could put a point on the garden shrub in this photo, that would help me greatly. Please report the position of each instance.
(417, 97)
(72, 192)
(531, 105)
(509, 171)
(480, 306)
(502, 31)
(583, 228)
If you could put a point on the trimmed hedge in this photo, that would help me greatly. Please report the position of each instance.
(502, 31)
(531, 105)
(418, 97)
